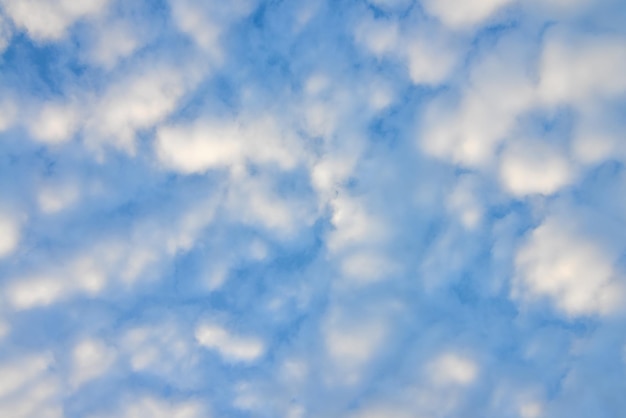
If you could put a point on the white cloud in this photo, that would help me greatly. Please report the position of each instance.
(464, 201)
(5, 329)
(91, 359)
(306, 11)
(28, 388)
(48, 20)
(53, 198)
(190, 20)
(55, 123)
(120, 259)
(530, 166)
(253, 201)
(160, 349)
(148, 406)
(189, 151)
(5, 38)
(593, 145)
(84, 273)
(463, 14)
(430, 57)
(205, 21)
(317, 84)
(18, 373)
(39, 400)
(310, 184)
(114, 41)
(468, 130)
(29, 292)
(233, 145)
(138, 101)
(384, 411)
(597, 135)
(354, 226)
(578, 69)
(351, 345)
(9, 233)
(379, 36)
(367, 267)
(8, 113)
(329, 174)
(570, 269)
(295, 371)
(231, 347)
(429, 53)
(531, 410)
(452, 369)
(204, 145)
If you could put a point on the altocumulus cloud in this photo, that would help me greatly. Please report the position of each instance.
(355, 208)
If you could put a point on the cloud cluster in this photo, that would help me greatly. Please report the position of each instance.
(382, 208)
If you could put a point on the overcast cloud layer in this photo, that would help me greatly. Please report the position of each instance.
(312, 209)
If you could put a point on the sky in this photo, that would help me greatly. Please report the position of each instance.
(312, 209)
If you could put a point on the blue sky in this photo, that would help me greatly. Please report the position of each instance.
(313, 209)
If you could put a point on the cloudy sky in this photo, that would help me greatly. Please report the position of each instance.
(312, 209)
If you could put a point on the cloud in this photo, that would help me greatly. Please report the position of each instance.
(55, 123)
(580, 71)
(157, 408)
(53, 198)
(8, 114)
(528, 167)
(137, 101)
(352, 347)
(463, 14)
(27, 389)
(429, 53)
(5, 35)
(231, 347)
(205, 22)
(46, 20)
(9, 233)
(92, 358)
(111, 261)
(204, 145)
(113, 42)
(452, 369)
(569, 269)
(384, 208)
(467, 128)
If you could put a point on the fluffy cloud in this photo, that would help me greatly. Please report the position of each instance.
(579, 69)
(569, 269)
(92, 358)
(463, 14)
(55, 123)
(468, 129)
(9, 233)
(158, 408)
(452, 369)
(28, 389)
(137, 102)
(48, 20)
(205, 22)
(428, 52)
(5, 35)
(204, 146)
(231, 347)
(382, 208)
(528, 167)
